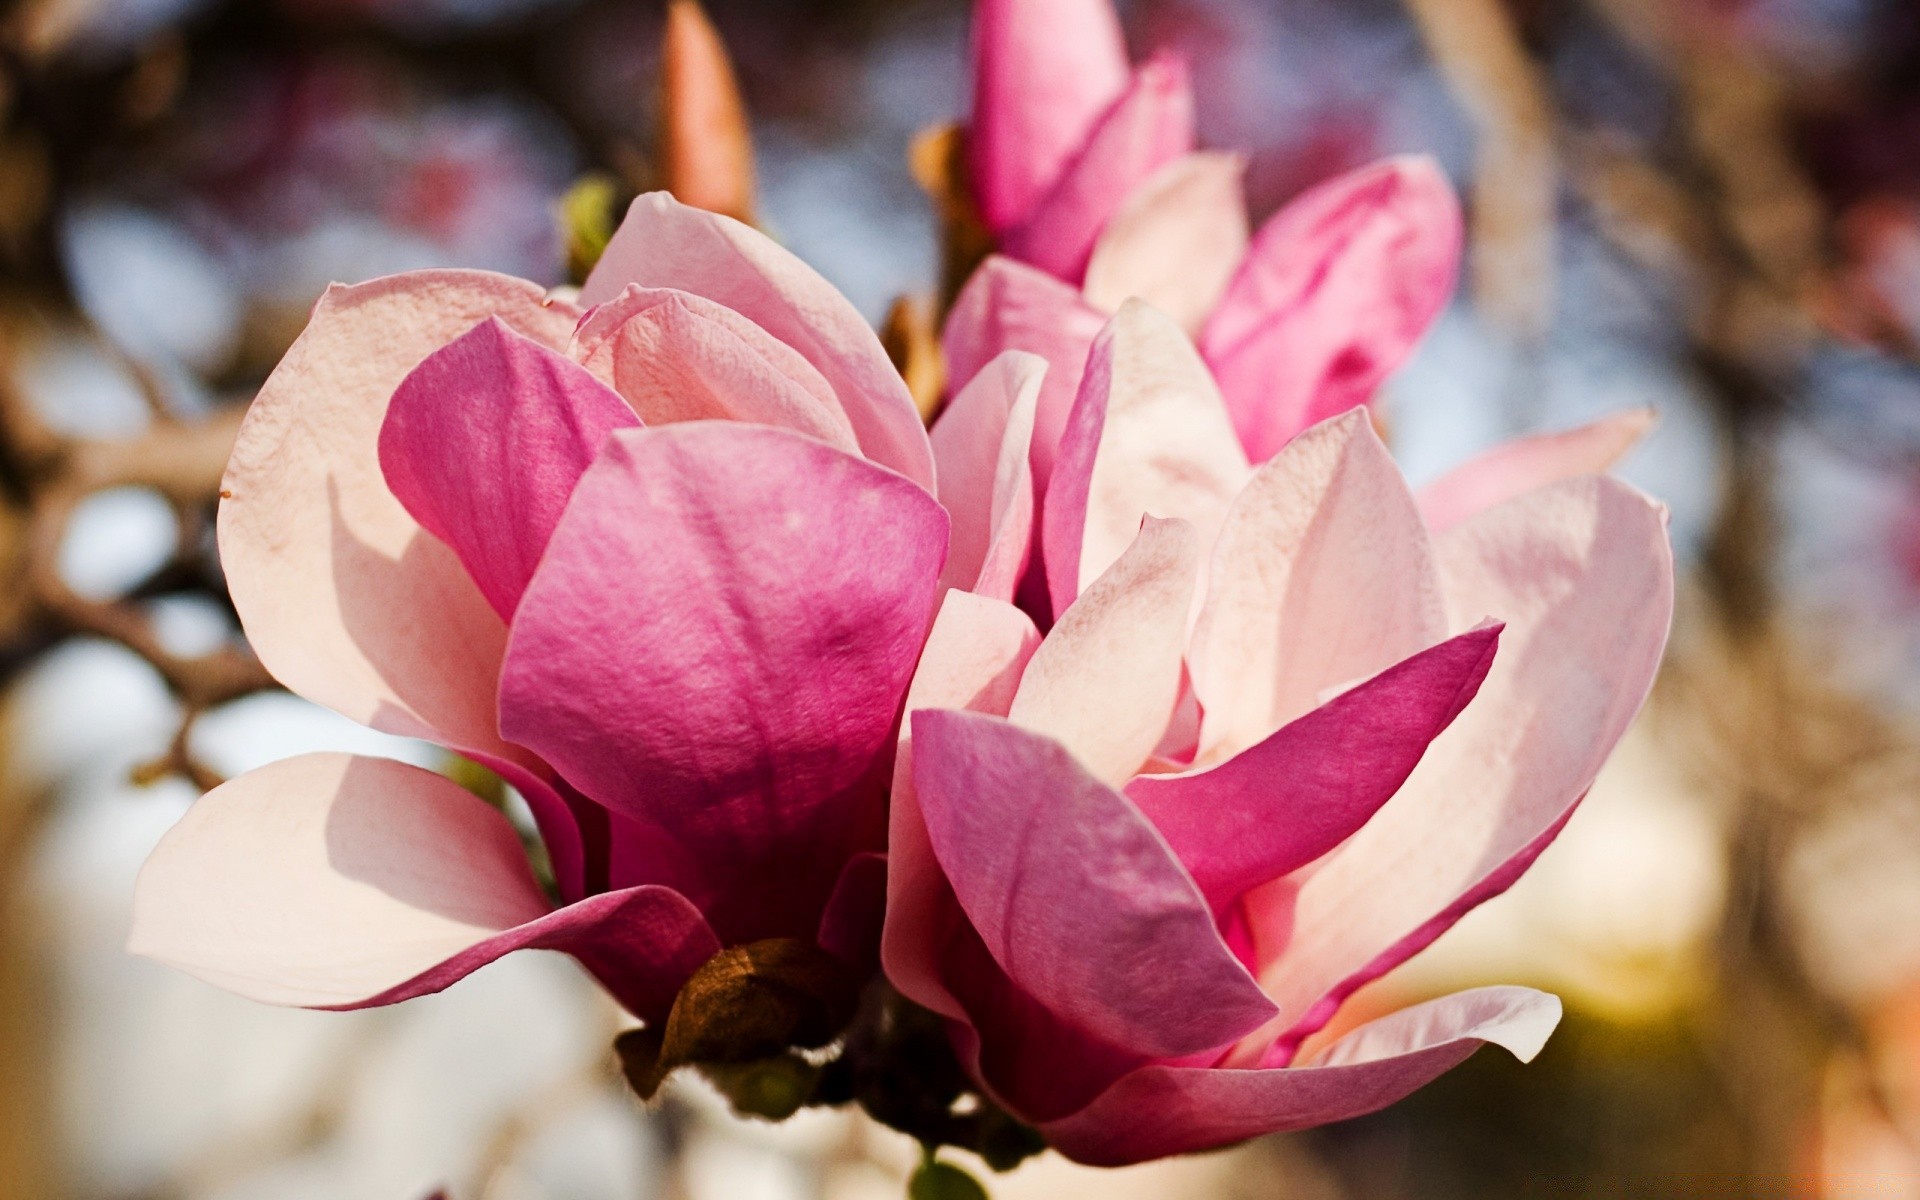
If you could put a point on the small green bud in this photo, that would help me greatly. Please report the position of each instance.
(772, 1089)
(944, 1181)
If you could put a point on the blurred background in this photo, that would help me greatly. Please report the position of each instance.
(1711, 207)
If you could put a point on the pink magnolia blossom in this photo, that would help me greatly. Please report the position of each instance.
(665, 563)
(1293, 721)
(1085, 171)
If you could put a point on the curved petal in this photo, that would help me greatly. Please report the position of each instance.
(1073, 893)
(1517, 467)
(1337, 290)
(980, 448)
(665, 244)
(973, 660)
(850, 926)
(331, 577)
(334, 881)
(1280, 805)
(1149, 126)
(1148, 436)
(1323, 574)
(329, 573)
(1043, 72)
(676, 356)
(1105, 681)
(1583, 576)
(706, 146)
(716, 646)
(483, 443)
(1176, 242)
(1010, 306)
(1162, 1110)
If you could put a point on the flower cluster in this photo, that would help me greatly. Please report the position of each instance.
(1129, 720)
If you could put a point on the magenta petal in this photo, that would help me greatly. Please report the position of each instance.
(1282, 804)
(1010, 306)
(1073, 893)
(1149, 126)
(483, 443)
(974, 657)
(850, 926)
(1158, 1110)
(1043, 72)
(1336, 291)
(666, 244)
(716, 646)
(331, 881)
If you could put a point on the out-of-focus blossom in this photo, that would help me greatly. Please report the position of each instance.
(665, 564)
(1085, 173)
(706, 148)
(1291, 723)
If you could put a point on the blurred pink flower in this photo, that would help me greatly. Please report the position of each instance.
(665, 564)
(1291, 724)
(1086, 174)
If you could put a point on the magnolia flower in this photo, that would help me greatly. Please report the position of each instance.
(664, 563)
(1084, 172)
(1292, 722)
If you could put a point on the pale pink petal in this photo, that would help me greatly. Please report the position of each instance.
(1149, 126)
(1073, 893)
(676, 356)
(973, 660)
(665, 244)
(1336, 292)
(1105, 681)
(1519, 466)
(1323, 574)
(1582, 573)
(1176, 242)
(330, 575)
(716, 647)
(333, 881)
(1148, 436)
(1285, 802)
(344, 597)
(483, 443)
(1043, 73)
(1010, 306)
(980, 448)
(1164, 1110)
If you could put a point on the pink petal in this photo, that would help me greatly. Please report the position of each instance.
(333, 881)
(850, 926)
(1105, 681)
(1338, 289)
(973, 660)
(980, 448)
(1282, 804)
(1043, 73)
(1323, 574)
(332, 578)
(665, 244)
(1149, 126)
(1176, 242)
(716, 646)
(1164, 1110)
(483, 443)
(329, 573)
(1148, 436)
(680, 357)
(1583, 576)
(1072, 892)
(1010, 306)
(1517, 467)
